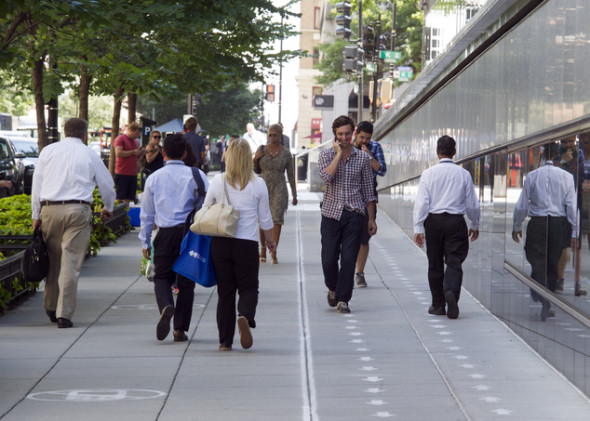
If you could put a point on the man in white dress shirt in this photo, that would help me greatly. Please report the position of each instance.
(549, 198)
(445, 195)
(170, 194)
(61, 198)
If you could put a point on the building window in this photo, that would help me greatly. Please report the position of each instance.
(470, 11)
(316, 56)
(316, 18)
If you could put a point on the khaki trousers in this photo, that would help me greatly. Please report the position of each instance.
(66, 232)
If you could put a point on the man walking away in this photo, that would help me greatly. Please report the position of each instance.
(170, 194)
(196, 141)
(445, 195)
(65, 176)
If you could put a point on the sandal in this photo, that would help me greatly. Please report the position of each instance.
(263, 255)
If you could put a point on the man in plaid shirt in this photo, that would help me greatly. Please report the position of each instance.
(362, 141)
(348, 195)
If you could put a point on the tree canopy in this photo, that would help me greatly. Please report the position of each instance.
(157, 48)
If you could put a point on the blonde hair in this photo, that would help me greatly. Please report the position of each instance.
(238, 163)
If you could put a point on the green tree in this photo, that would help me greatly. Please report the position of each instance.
(12, 99)
(236, 103)
(238, 106)
(122, 48)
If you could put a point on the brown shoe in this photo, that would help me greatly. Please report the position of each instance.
(245, 334)
(179, 336)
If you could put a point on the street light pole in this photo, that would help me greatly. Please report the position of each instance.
(281, 71)
(360, 71)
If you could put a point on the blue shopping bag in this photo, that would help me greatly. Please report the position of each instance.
(195, 261)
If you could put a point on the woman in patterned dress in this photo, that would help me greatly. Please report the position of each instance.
(271, 161)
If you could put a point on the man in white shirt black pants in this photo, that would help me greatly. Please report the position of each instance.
(549, 198)
(445, 195)
(61, 198)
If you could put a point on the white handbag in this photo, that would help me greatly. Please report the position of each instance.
(217, 219)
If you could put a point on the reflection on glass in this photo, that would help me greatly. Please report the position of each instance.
(551, 213)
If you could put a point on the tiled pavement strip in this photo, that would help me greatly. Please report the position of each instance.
(388, 359)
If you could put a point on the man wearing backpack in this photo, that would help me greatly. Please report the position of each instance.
(170, 194)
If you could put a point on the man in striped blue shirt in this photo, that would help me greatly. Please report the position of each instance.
(362, 141)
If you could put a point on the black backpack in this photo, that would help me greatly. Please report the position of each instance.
(36, 259)
(199, 203)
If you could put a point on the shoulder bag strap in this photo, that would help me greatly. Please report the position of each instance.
(225, 195)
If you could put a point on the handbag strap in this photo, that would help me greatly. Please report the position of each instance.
(225, 195)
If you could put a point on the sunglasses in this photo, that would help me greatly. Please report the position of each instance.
(273, 135)
(157, 137)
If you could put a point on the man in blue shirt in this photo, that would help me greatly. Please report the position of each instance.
(362, 141)
(170, 195)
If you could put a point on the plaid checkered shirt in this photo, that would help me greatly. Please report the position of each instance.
(350, 187)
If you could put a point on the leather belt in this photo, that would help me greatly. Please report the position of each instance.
(64, 202)
(350, 209)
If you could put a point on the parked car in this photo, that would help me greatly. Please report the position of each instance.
(29, 147)
(11, 167)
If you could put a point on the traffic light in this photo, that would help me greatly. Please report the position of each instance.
(368, 41)
(270, 93)
(351, 58)
(343, 20)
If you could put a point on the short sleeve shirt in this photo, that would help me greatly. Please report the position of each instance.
(127, 165)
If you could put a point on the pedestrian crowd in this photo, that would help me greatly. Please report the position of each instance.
(253, 182)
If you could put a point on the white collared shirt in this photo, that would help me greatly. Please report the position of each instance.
(69, 170)
(445, 187)
(169, 196)
(547, 191)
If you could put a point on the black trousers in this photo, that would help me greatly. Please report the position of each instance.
(546, 237)
(166, 251)
(236, 266)
(341, 240)
(447, 242)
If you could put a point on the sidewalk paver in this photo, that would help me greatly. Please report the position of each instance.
(387, 359)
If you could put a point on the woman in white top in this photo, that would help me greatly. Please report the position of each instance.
(236, 259)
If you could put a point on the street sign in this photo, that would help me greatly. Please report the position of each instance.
(371, 67)
(404, 73)
(323, 101)
(390, 56)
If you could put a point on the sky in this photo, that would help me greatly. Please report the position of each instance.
(290, 96)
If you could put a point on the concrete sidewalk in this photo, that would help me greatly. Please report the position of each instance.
(387, 359)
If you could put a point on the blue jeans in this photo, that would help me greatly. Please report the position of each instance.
(341, 240)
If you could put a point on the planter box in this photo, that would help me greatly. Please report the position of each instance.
(117, 223)
(13, 268)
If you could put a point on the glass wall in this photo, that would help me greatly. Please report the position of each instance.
(562, 335)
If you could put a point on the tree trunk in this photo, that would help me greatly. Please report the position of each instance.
(85, 79)
(115, 128)
(132, 104)
(37, 77)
